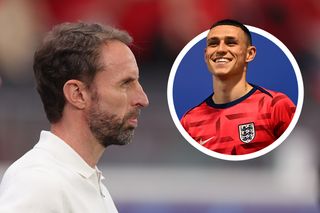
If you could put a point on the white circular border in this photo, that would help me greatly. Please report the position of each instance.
(225, 156)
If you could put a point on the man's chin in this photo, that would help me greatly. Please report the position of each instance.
(122, 139)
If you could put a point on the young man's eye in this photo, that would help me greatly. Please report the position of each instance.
(212, 44)
(231, 42)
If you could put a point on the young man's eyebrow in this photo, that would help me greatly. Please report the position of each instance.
(230, 38)
(212, 40)
(216, 39)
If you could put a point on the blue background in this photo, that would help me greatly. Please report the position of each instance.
(270, 69)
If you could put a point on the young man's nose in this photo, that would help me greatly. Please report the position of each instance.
(221, 47)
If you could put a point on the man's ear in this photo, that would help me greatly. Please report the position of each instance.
(76, 93)
(251, 53)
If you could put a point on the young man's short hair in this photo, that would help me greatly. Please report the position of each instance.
(236, 24)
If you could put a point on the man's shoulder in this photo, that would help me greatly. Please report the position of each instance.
(32, 159)
(32, 174)
(33, 167)
(30, 187)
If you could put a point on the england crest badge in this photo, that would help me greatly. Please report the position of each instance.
(247, 132)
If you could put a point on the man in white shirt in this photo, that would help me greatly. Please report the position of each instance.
(88, 81)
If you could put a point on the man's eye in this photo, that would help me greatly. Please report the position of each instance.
(127, 83)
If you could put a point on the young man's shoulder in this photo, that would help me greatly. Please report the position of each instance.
(274, 97)
(197, 110)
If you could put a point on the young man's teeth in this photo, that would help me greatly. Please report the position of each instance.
(222, 60)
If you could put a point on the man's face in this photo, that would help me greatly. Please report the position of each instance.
(228, 51)
(116, 96)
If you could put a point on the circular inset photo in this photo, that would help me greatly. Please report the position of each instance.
(235, 92)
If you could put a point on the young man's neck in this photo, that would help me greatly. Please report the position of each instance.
(227, 90)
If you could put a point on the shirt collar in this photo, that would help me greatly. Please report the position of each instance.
(100, 173)
(61, 151)
(211, 103)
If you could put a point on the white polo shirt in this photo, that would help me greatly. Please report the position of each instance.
(53, 178)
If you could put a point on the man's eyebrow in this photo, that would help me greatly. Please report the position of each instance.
(129, 79)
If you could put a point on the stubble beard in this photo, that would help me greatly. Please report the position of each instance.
(108, 129)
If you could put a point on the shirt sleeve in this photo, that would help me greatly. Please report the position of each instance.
(282, 113)
(32, 191)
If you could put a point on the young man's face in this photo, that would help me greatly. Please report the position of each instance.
(117, 96)
(228, 51)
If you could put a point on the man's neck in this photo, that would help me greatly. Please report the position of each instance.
(226, 90)
(81, 141)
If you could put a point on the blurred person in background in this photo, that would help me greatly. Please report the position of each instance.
(239, 117)
(88, 81)
(21, 23)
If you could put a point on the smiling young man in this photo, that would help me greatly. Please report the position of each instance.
(239, 117)
(88, 81)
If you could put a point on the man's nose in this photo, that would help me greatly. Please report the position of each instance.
(141, 97)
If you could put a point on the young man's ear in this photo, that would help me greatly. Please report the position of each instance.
(251, 53)
(205, 55)
(75, 93)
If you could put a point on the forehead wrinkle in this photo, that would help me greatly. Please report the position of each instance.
(127, 64)
(117, 55)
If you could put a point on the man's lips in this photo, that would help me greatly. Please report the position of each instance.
(133, 122)
(132, 118)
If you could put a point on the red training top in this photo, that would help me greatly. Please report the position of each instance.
(242, 126)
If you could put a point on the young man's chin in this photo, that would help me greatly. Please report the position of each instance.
(220, 72)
